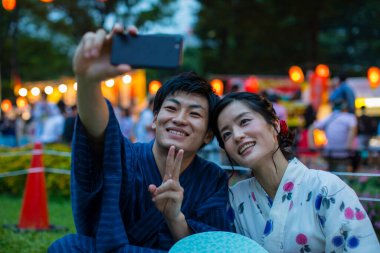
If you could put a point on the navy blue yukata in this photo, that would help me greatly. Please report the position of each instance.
(112, 207)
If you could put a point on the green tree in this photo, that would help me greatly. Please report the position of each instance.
(38, 39)
(267, 36)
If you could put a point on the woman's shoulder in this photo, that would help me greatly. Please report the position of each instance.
(243, 185)
(319, 180)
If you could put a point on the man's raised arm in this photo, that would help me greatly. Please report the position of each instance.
(92, 65)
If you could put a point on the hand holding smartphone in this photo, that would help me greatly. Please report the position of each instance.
(161, 51)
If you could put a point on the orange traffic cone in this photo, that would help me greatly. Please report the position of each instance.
(34, 214)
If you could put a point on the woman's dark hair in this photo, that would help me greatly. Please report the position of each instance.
(187, 82)
(258, 104)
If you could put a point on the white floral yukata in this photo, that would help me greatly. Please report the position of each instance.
(313, 211)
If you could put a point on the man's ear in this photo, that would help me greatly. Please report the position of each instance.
(208, 137)
(154, 122)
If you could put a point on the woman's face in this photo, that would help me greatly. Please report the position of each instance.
(248, 139)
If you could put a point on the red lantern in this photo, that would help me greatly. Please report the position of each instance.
(218, 87)
(251, 84)
(9, 5)
(46, 1)
(21, 102)
(322, 71)
(373, 77)
(6, 105)
(154, 86)
(296, 74)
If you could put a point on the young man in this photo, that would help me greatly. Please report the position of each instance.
(140, 197)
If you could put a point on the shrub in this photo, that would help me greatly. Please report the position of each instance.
(57, 185)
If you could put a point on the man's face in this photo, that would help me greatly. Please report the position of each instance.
(182, 121)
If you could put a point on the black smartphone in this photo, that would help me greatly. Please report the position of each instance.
(147, 51)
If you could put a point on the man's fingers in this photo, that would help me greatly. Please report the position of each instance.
(98, 42)
(152, 188)
(168, 195)
(132, 30)
(117, 28)
(177, 164)
(87, 44)
(169, 185)
(123, 68)
(169, 164)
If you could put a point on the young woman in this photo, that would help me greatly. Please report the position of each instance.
(285, 206)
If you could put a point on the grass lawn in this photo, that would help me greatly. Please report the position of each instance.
(10, 241)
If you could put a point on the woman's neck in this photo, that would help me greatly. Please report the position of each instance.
(270, 175)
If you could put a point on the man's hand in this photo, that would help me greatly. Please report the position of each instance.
(91, 62)
(168, 196)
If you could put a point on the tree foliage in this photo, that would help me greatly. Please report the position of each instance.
(39, 39)
(267, 36)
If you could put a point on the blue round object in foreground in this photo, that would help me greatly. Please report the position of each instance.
(216, 242)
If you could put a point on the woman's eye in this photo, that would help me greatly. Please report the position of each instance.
(244, 121)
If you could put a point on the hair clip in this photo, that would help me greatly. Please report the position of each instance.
(283, 128)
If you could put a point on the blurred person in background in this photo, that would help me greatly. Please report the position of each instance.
(279, 108)
(366, 128)
(68, 127)
(7, 130)
(127, 124)
(54, 125)
(41, 111)
(343, 92)
(340, 128)
(143, 128)
(304, 151)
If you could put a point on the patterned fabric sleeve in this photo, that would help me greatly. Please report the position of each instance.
(86, 182)
(343, 219)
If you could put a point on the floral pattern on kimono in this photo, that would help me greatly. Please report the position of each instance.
(312, 211)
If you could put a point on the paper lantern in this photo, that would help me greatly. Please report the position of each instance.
(6, 105)
(9, 5)
(218, 87)
(322, 70)
(373, 75)
(154, 86)
(21, 102)
(251, 85)
(296, 74)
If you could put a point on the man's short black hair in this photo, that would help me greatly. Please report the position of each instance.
(342, 77)
(187, 82)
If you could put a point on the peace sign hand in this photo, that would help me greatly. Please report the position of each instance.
(168, 196)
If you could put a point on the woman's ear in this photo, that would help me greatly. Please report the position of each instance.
(277, 127)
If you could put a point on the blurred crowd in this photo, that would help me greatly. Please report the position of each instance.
(346, 132)
(54, 122)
